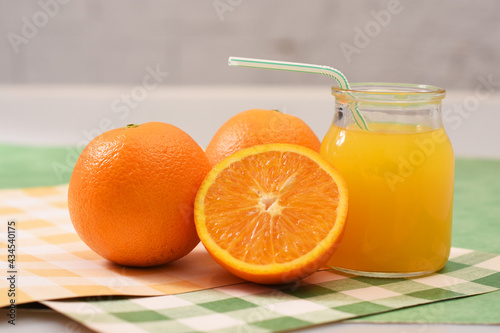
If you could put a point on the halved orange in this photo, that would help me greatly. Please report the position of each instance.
(272, 213)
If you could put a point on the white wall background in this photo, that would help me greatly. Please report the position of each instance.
(70, 116)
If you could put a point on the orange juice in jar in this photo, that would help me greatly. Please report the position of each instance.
(388, 142)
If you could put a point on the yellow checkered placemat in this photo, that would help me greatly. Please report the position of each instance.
(323, 297)
(46, 259)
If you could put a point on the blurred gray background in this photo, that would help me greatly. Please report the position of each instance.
(69, 69)
(446, 43)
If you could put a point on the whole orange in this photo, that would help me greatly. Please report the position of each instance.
(255, 127)
(131, 194)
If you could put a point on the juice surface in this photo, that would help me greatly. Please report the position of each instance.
(400, 183)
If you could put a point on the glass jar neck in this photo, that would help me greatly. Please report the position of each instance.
(388, 107)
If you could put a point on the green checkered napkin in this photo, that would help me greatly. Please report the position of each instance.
(321, 298)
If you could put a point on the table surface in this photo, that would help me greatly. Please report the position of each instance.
(51, 321)
(476, 219)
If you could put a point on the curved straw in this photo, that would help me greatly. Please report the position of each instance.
(299, 67)
(293, 67)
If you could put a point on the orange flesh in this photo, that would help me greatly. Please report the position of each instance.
(269, 202)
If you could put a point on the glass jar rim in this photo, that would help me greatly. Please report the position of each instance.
(385, 91)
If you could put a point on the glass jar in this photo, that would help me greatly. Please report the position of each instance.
(389, 143)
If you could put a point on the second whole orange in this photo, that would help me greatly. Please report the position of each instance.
(255, 127)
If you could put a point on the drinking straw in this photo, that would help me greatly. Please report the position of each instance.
(299, 67)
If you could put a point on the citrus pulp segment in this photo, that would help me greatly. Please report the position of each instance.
(271, 213)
